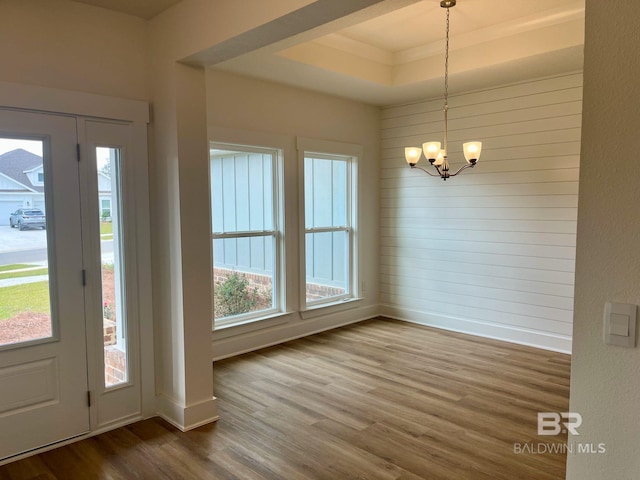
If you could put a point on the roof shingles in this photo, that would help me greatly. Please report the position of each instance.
(14, 163)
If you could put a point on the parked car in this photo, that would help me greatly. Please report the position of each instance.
(28, 218)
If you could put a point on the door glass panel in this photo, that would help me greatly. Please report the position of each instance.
(25, 299)
(112, 256)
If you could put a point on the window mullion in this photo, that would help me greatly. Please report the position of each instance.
(327, 229)
(247, 234)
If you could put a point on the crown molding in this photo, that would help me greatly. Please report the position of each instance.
(555, 16)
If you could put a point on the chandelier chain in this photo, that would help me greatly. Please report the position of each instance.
(446, 63)
(446, 84)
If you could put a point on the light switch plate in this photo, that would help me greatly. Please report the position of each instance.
(620, 324)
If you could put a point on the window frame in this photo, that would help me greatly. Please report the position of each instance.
(350, 153)
(277, 233)
(102, 207)
(122, 264)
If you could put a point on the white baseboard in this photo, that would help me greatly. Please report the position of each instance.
(187, 417)
(230, 346)
(507, 333)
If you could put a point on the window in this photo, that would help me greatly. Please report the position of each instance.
(114, 321)
(246, 236)
(105, 208)
(329, 222)
(41, 177)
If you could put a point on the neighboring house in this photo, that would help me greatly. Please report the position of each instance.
(104, 193)
(22, 184)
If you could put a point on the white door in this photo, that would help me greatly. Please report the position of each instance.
(107, 186)
(43, 361)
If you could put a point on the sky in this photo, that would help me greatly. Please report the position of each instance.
(8, 144)
(35, 146)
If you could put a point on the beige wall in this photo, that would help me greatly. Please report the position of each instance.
(235, 101)
(605, 387)
(255, 111)
(71, 46)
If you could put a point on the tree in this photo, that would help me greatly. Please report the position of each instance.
(105, 169)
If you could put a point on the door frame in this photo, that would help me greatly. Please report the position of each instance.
(93, 107)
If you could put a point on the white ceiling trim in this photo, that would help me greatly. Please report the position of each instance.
(541, 20)
(518, 26)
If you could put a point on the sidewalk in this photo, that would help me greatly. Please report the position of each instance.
(10, 282)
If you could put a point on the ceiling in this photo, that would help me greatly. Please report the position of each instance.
(393, 52)
(398, 56)
(146, 9)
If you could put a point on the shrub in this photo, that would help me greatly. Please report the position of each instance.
(107, 311)
(234, 296)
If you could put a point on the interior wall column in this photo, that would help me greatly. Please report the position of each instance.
(180, 244)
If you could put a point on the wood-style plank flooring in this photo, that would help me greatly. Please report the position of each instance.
(382, 399)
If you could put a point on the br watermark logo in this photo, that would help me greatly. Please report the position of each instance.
(552, 424)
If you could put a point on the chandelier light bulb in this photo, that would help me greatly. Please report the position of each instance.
(431, 150)
(412, 155)
(472, 151)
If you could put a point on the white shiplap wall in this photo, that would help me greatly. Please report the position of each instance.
(491, 251)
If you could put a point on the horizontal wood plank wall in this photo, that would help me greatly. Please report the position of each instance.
(491, 251)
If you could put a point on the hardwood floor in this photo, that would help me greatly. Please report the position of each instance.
(381, 399)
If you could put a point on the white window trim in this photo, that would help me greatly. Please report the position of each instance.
(278, 284)
(339, 150)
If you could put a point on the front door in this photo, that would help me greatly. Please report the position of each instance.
(43, 361)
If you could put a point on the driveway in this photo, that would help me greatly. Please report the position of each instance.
(13, 240)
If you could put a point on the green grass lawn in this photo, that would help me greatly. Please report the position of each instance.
(33, 297)
(106, 228)
(13, 266)
(28, 273)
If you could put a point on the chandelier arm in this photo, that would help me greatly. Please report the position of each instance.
(427, 171)
(464, 167)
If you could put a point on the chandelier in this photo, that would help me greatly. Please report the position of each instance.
(435, 152)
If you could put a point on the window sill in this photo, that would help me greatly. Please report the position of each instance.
(250, 325)
(329, 308)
